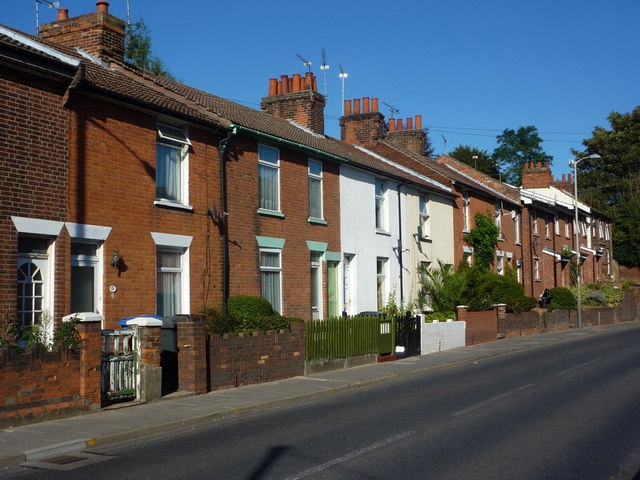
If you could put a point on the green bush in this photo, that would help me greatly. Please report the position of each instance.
(245, 306)
(561, 298)
(219, 322)
(439, 316)
(519, 304)
(68, 334)
(595, 298)
(257, 324)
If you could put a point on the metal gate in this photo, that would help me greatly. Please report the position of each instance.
(119, 365)
(408, 334)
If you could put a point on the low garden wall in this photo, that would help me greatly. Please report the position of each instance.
(482, 326)
(438, 336)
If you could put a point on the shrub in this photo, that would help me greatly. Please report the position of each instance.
(519, 304)
(561, 298)
(595, 298)
(219, 322)
(245, 306)
(439, 316)
(262, 323)
(68, 334)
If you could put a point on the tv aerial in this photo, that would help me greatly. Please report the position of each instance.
(342, 76)
(324, 67)
(445, 143)
(46, 2)
(306, 63)
(392, 109)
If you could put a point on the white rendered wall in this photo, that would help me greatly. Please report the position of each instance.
(438, 336)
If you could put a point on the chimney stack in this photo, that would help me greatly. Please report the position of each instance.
(364, 127)
(413, 137)
(537, 175)
(99, 33)
(296, 98)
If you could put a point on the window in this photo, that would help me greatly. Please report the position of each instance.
(85, 278)
(606, 232)
(600, 230)
(585, 228)
(270, 277)
(380, 207)
(316, 285)
(424, 216)
(498, 219)
(315, 189)
(172, 182)
(381, 275)
(567, 221)
(467, 253)
(172, 274)
(465, 211)
(269, 178)
(536, 269)
(500, 264)
(34, 293)
(516, 226)
(546, 227)
(556, 224)
(534, 222)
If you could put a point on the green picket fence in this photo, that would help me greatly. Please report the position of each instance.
(341, 337)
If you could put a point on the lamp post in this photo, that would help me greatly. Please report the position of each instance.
(577, 228)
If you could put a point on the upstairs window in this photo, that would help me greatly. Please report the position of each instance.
(172, 147)
(567, 221)
(424, 216)
(498, 219)
(465, 211)
(534, 222)
(380, 207)
(315, 189)
(269, 178)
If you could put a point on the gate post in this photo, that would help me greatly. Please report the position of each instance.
(90, 361)
(192, 355)
(149, 387)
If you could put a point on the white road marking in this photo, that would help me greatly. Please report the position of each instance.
(349, 456)
(576, 367)
(490, 400)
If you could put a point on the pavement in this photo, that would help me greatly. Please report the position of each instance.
(40, 441)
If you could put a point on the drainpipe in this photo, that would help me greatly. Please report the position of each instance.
(400, 243)
(531, 252)
(222, 149)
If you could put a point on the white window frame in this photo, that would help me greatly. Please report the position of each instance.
(556, 224)
(315, 177)
(380, 206)
(546, 227)
(316, 272)
(584, 228)
(264, 164)
(534, 222)
(607, 235)
(272, 269)
(536, 269)
(423, 206)
(516, 226)
(498, 219)
(176, 138)
(500, 264)
(381, 281)
(166, 242)
(567, 221)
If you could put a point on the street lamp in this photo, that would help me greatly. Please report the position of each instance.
(577, 227)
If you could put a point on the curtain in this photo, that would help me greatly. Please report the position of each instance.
(168, 180)
(268, 186)
(169, 292)
(315, 198)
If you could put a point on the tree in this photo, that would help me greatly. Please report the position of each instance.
(428, 145)
(611, 184)
(483, 161)
(515, 149)
(138, 50)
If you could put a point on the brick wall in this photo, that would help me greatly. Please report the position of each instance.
(33, 162)
(304, 107)
(481, 326)
(256, 357)
(245, 223)
(38, 385)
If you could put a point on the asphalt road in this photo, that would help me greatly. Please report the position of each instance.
(566, 411)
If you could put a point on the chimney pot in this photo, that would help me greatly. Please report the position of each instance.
(63, 14)
(290, 82)
(418, 122)
(365, 105)
(308, 81)
(356, 106)
(392, 124)
(399, 124)
(564, 177)
(273, 86)
(374, 105)
(284, 83)
(347, 107)
(296, 82)
(539, 164)
(409, 123)
(315, 83)
(547, 164)
(102, 6)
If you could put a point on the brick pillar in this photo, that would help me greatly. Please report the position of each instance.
(90, 362)
(192, 354)
(149, 369)
(462, 312)
(501, 317)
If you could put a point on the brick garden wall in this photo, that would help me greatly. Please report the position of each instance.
(256, 357)
(481, 326)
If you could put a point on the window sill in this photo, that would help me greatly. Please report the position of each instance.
(383, 232)
(519, 244)
(426, 239)
(316, 221)
(173, 205)
(466, 230)
(270, 213)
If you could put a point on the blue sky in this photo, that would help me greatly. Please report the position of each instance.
(471, 69)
